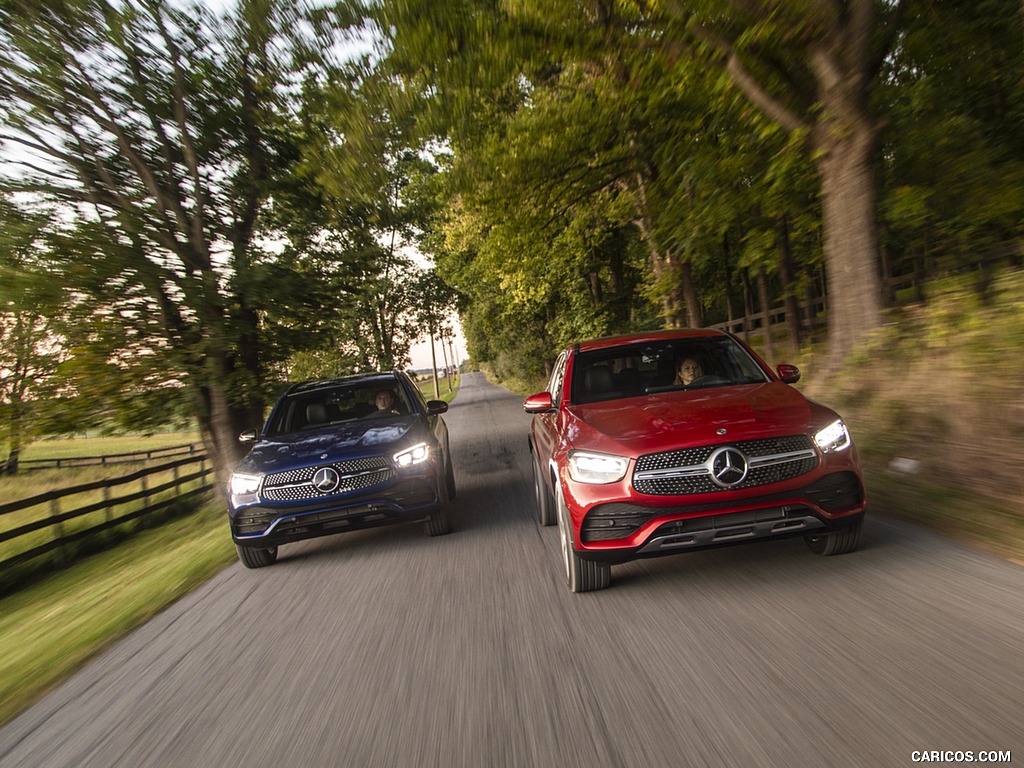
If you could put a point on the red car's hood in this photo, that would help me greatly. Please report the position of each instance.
(670, 420)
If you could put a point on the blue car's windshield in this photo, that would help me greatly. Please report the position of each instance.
(642, 369)
(336, 403)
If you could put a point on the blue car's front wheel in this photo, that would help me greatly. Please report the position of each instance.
(256, 557)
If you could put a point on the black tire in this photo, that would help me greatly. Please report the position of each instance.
(439, 523)
(254, 557)
(449, 479)
(545, 507)
(581, 575)
(836, 543)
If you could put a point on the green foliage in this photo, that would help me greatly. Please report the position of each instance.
(938, 385)
(33, 327)
(252, 204)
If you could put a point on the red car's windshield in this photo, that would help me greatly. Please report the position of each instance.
(642, 369)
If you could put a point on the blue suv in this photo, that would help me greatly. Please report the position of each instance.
(341, 455)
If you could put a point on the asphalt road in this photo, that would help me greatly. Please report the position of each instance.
(390, 648)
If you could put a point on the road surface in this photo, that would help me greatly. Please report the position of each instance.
(391, 648)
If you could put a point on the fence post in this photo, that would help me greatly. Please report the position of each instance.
(59, 556)
(177, 484)
(145, 499)
(106, 502)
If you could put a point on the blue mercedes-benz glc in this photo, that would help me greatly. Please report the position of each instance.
(340, 455)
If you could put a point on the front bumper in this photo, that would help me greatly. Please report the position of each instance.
(618, 530)
(266, 523)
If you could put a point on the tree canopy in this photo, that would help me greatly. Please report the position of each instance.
(243, 195)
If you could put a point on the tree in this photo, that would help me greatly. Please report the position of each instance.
(31, 332)
(812, 69)
(435, 302)
(172, 130)
(953, 174)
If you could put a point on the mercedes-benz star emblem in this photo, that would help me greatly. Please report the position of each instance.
(326, 479)
(728, 467)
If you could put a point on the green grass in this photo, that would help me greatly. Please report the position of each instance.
(49, 630)
(65, 448)
(30, 485)
(427, 387)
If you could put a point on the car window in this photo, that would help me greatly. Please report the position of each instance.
(557, 377)
(418, 394)
(633, 370)
(322, 406)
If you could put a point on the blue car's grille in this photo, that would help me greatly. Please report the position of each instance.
(354, 475)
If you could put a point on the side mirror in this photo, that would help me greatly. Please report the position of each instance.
(789, 374)
(437, 407)
(248, 436)
(539, 403)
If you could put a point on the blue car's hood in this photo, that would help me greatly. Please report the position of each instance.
(331, 443)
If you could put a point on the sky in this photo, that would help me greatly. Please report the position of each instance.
(421, 351)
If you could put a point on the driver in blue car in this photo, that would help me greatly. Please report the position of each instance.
(385, 401)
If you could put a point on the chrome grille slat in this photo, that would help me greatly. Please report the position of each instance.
(356, 475)
(770, 460)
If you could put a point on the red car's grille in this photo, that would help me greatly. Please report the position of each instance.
(691, 470)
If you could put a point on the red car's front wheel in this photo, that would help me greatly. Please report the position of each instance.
(581, 575)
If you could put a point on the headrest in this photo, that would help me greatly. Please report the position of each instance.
(316, 413)
(597, 379)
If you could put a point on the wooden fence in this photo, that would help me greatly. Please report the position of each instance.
(42, 525)
(191, 449)
(1007, 253)
(775, 317)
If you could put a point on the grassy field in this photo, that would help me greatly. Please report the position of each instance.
(64, 448)
(427, 388)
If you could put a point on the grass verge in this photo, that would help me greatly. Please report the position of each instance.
(49, 630)
(427, 387)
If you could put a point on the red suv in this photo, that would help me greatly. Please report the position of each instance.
(671, 441)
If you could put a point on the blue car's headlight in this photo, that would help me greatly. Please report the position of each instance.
(245, 485)
(417, 454)
(834, 437)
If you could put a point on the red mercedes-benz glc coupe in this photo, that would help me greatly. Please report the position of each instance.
(672, 441)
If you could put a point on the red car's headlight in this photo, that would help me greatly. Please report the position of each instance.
(834, 437)
(587, 467)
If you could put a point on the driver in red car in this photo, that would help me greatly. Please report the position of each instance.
(689, 370)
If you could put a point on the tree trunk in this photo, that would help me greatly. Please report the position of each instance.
(786, 274)
(15, 430)
(729, 297)
(844, 140)
(748, 305)
(766, 313)
(694, 313)
(433, 365)
(220, 423)
(447, 368)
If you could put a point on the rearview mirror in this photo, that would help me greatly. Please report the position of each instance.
(436, 407)
(539, 403)
(248, 436)
(789, 374)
